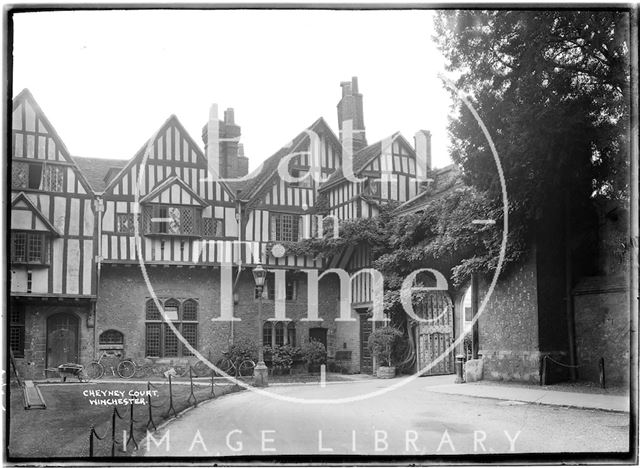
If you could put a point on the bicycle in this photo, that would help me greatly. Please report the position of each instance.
(95, 369)
(231, 366)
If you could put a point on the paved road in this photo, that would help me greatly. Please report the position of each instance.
(410, 421)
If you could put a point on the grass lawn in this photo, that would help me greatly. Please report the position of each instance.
(62, 430)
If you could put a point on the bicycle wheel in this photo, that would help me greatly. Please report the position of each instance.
(94, 370)
(126, 369)
(201, 369)
(225, 365)
(246, 368)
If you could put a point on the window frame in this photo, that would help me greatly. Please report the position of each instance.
(278, 231)
(37, 174)
(291, 288)
(163, 228)
(17, 310)
(29, 236)
(163, 331)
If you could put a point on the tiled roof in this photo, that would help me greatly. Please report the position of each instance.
(444, 180)
(95, 170)
(360, 160)
(250, 188)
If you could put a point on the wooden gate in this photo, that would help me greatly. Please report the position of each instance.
(366, 327)
(436, 335)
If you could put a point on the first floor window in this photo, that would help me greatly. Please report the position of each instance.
(285, 227)
(175, 220)
(16, 330)
(53, 178)
(291, 288)
(124, 223)
(160, 340)
(28, 247)
(212, 227)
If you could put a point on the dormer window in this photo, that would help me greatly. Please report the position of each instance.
(173, 220)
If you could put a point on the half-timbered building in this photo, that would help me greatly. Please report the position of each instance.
(52, 246)
(107, 244)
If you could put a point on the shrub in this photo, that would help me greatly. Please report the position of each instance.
(283, 356)
(242, 349)
(383, 343)
(314, 353)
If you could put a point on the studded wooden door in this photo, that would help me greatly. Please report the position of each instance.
(436, 334)
(62, 339)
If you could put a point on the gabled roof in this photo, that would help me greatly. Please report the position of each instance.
(26, 97)
(363, 157)
(444, 180)
(172, 120)
(166, 185)
(269, 168)
(96, 170)
(21, 197)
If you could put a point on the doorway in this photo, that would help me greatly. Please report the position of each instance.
(62, 339)
(318, 334)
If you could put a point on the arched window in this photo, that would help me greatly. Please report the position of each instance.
(111, 337)
(152, 312)
(267, 334)
(160, 340)
(291, 333)
(279, 329)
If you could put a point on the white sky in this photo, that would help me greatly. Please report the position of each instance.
(108, 79)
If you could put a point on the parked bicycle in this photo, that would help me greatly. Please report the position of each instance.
(236, 367)
(95, 369)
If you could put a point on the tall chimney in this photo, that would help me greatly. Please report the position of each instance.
(231, 163)
(350, 108)
(422, 142)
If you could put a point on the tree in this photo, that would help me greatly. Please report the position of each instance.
(552, 87)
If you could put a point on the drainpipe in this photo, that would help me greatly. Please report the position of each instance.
(568, 280)
(99, 205)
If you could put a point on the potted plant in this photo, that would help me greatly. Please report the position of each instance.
(383, 344)
(314, 354)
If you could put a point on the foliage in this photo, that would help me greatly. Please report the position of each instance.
(384, 343)
(283, 356)
(243, 348)
(552, 87)
(314, 353)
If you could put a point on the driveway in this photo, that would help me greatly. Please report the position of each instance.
(415, 419)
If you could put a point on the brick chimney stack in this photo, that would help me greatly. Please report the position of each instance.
(350, 108)
(232, 162)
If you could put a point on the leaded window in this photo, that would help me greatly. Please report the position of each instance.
(16, 329)
(285, 227)
(111, 337)
(28, 247)
(161, 341)
(173, 220)
(20, 175)
(53, 178)
(124, 223)
(212, 227)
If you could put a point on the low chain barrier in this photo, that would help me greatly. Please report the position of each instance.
(129, 435)
(544, 373)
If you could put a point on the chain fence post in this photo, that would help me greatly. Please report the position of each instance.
(131, 437)
(150, 421)
(113, 432)
(192, 395)
(213, 383)
(91, 442)
(171, 408)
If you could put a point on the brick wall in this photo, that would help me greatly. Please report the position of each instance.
(32, 365)
(601, 306)
(123, 295)
(508, 327)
